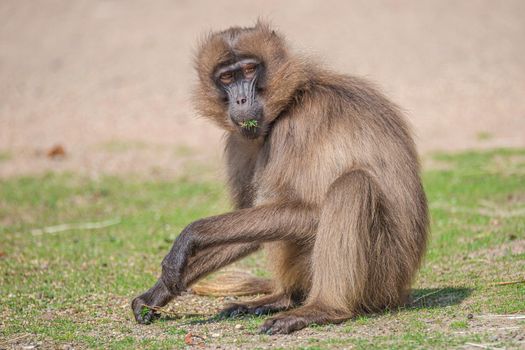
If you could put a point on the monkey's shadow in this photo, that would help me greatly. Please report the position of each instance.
(423, 298)
(429, 298)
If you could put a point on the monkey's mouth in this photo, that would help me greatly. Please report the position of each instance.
(250, 132)
(250, 127)
(248, 119)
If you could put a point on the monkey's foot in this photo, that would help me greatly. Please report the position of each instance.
(262, 306)
(291, 321)
(144, 305)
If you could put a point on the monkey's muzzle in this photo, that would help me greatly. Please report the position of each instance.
(248, 119)
(245, 110)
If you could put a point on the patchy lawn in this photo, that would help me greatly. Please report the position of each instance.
(71, 285)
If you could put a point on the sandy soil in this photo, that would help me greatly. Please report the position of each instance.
(110, 80)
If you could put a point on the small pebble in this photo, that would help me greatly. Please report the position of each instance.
(470, 316)
(215, 335)
(239, 326)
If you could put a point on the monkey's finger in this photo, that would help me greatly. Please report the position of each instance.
(142, 313)
(136, 307)
(146, 318)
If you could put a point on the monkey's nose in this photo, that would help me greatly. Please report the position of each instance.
(241, 100)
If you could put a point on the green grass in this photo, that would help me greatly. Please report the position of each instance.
(5, 155)
(74, 286)
(483, 135)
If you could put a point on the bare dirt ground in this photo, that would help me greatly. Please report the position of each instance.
(110, 80)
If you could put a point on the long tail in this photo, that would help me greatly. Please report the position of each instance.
(233, 283)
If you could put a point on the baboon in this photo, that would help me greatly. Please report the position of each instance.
(323, 173)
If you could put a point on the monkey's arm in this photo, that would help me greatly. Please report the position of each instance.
(209, 260)
(204, 262)
(243, 229)
(293, 221)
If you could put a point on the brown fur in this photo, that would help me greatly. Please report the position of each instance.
(332, 190)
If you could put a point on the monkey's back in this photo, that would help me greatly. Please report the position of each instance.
(340, 123)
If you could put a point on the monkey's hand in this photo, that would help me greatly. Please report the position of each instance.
(171, 282)
(144, 306)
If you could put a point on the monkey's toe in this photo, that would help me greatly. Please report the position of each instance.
(237, 310)
(264, 310)
(233, 311)
(284, 324)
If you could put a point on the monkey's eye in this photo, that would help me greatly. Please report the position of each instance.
(249, 70)
(226, 78)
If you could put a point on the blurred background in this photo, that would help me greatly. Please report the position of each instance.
(104, 86)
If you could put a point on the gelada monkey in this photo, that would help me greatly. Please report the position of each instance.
(324, 175)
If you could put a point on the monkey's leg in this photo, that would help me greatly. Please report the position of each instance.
(203, 263)
(340, 259)
(290, 264)
(252, 225)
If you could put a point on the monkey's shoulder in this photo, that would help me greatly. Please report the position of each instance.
(341, 108)
(340, 92)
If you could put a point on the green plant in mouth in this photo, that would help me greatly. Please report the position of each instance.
(249, 124)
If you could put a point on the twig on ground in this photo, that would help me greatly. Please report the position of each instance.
(509, 317)
(171, 314)
(78, 226)
(163, 311)
(508, 282)
(482, 346)
(426, 295)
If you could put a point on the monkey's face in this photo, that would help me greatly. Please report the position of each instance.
(246, 79)
(240, 83)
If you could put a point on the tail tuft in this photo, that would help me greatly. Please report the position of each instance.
(233, 283)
